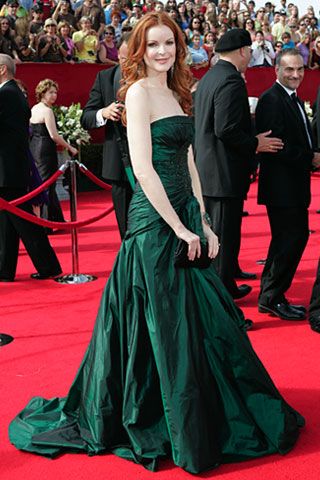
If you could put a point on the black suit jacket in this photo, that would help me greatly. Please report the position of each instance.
(14, 125)
(224, 143)
(284, 178)
(316, 122)
(102, 94)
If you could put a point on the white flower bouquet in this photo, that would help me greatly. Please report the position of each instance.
(308, 110)
(69, 126)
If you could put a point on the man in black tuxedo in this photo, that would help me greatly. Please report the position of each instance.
(225, 148)
(284, 184)
(14, 181)
(102, 110)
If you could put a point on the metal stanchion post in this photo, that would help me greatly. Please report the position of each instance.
(75, 277)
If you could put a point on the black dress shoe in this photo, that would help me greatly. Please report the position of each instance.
(5, 339)
(242, 291)
(42, 276)
(315, 323)
(301, 308)
(6, 280)
(245, 213)
(245, 275)
(248, 324)
(282, 310)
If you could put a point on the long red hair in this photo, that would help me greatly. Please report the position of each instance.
(133, 69)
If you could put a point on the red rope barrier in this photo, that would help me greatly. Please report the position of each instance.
(92, 177)
(4, 205)
(37, 190)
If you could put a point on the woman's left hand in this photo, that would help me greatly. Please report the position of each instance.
(213, 241)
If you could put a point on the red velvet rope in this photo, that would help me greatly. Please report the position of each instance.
(93, 177)
(4, 205)
(37, 190)
(11, 206)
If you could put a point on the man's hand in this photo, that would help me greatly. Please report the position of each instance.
(112, 111)
(316, 160)
(268, 144)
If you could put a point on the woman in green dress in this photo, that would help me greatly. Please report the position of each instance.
(170, 371)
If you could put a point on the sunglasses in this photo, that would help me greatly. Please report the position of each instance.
(109, 33)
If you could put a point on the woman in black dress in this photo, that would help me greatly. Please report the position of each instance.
(44, 138)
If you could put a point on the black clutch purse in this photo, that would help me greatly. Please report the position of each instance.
(181, 259)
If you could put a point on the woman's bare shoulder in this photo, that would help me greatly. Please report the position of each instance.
(138, 89)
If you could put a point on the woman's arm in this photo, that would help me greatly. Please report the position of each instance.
(213, 241)
(140, 146)
(50, 123)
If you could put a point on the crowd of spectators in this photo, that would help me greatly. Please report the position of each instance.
(89, 30)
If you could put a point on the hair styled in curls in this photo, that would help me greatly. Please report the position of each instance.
(43, 87)
(134, 68)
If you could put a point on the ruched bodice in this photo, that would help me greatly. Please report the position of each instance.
(171, 138)
(170, 371)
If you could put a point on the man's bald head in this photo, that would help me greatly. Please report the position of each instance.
(7, 67)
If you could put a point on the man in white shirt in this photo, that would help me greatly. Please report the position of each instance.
(284, 184)
(262, 52)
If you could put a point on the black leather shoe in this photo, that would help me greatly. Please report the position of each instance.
(315, 323)
(242, 291)
(6, 280)
(5, 339)
(301, 308)
(282, 310)
(245, 275)
(245, 213)
(248, 324)
(42, 276)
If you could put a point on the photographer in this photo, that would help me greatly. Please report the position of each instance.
(50, 46)
(86, 41)
(262, 52)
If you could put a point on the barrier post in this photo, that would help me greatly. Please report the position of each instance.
(75, 277)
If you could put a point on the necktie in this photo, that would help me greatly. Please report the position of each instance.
(302, 115)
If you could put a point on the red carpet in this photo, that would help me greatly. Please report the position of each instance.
(52, 325)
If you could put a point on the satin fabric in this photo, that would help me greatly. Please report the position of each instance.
(170, 371)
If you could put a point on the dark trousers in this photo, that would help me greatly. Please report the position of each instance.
(121, 197)
(34, 238)
(52, 211)
(314, 307)
(226, 216)
(289, 236)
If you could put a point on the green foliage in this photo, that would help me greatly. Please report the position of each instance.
(69, 126)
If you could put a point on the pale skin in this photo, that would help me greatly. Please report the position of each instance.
(42, 113)
(148, 100)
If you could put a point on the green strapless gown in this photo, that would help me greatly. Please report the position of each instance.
(170, 371)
